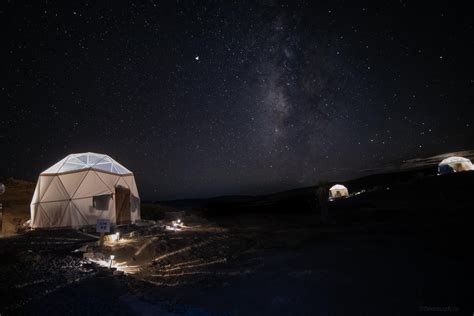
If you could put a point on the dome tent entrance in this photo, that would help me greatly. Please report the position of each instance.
(454, 164)
(338, 191)
(82, 188)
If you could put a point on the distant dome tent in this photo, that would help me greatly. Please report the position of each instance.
(82, 188)
(338, 191)
(454, 164)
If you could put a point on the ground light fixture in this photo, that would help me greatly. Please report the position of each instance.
(112, 257)
(116, 236)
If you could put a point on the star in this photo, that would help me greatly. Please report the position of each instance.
(276, 87)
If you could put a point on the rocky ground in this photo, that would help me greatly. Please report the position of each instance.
(37, 264)
(401, 248)
(271, 265)
(15, 205)
(290, 265)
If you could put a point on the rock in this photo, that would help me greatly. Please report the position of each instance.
(88, 255)
(94, 256)
(118, 273)
(82, 249)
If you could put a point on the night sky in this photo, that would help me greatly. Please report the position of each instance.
(210, 98)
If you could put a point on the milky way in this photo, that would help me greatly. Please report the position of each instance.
(202, 99)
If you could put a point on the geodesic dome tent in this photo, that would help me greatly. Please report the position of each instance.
(338, 191)
(454, 164)
(82, 188)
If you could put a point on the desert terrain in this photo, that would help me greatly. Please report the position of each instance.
(401, 246)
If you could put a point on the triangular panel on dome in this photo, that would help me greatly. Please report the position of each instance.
(134, 188)
(121, 182)
(110, 165)
(35, 214)
(130, 180)
(66, 219)
(44, 182)
(82, 158)
(55, 191)
(55, 212)
(71, 166)
(121, 169)
(55, 168)
(71, 181)
(85, 211)
(91, 185)
(93, 158)
(75, 158)
(114, 169)
(105, 159)
(104, 166)
(109, 179)
(36, 197)
(40, 219)
(77, 216)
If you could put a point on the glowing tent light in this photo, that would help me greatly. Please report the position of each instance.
(338, 191)
(112, 257)
(116, 236)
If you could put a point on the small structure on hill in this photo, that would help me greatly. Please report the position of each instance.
(454, 164)
(82, 188)
(338, 191)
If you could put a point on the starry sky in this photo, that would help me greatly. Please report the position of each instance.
(206, 98)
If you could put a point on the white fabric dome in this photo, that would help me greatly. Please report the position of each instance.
(82, 188)
(338, 191)
(454, 164)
